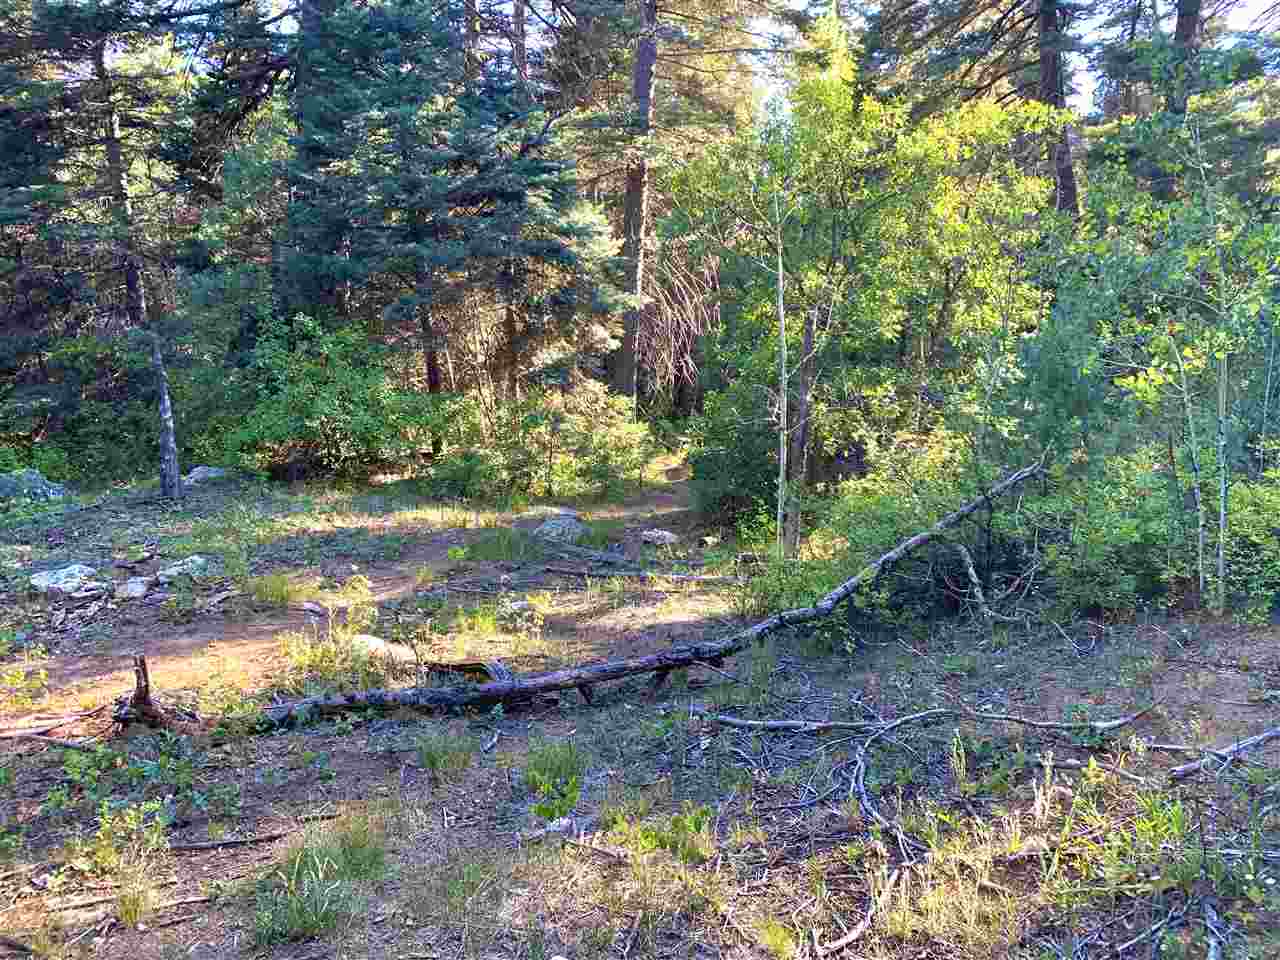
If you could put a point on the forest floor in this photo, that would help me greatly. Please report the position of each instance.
(410, 835)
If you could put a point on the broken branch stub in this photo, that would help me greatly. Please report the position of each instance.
(522, 687)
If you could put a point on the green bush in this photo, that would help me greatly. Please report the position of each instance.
(734, 454)
(1253, 548)
(551, 443)
(328, 398)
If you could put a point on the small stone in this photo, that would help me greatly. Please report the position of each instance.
(561, 529)
(63, 580)
(135, 588)
(191, 567)
(201, 474)
(662, 537)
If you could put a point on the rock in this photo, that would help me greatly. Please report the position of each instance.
(90, 590)
(194, 566)
(663, 537)
(63, 580)
(382, 648)
(201, 474)
(539, 513)
(561, 529)
(135, 588)
(29, 485)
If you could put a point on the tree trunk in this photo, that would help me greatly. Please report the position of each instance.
(1223, 479)
(1052, 91)
(1186, 42)
(636, 204)
(135, 288)
(1195, 472)
(782, 387)
(798, 458)
(519, 44)
(170, 475)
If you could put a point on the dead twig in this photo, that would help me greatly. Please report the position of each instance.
(219, 844)
(87, 745)
(785, 726)
(642, 575)
(877, 906)
(1225, 754)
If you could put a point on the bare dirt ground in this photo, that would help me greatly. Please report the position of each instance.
(689, 837)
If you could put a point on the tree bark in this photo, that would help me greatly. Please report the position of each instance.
(135, 288)
(522, 687)
(798, 458)
(170, 474)
(1186, 42)
(1052, 91)
(636, 203)
(1224, 473)
(519, 42)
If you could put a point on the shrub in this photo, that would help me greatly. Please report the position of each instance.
(328, 398)
(733, 454)
(554, 773)
(551, 443)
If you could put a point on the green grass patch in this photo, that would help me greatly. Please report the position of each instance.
(443, 755)
(319, 884)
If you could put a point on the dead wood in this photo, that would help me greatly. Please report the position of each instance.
(141, 707)
(641, 575)
(55, 742)
(493, 670)
(524, 686)
(47, 725)
(877, 906)
(219, 844)
(1224, 754)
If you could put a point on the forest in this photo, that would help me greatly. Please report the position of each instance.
(567, 479)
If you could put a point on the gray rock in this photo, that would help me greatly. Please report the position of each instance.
(382, 648)
(29, 485)
(191, 567)
(201, 474)
(63, 580)
(561, 529)
(538, 513)
(663, 537)
(135, 588)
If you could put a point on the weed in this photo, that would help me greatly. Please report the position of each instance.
(317, 885)
(505, 545)
(302, 902)
(601, 533)
(444, 756)
(776, 939)
(686, 835)
(282, 590)
(553, 771)
(334, 660)
(465, 881)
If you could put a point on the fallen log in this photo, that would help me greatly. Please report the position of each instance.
(521, 687)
